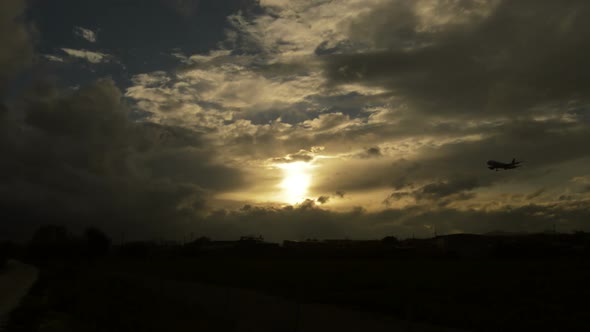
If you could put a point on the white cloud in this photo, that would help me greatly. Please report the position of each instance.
(87, 34)
(92, 57)
(53, 58)
(157, 78)
(331, 122)
(238, 87)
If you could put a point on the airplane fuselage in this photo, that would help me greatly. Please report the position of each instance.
(492, 164)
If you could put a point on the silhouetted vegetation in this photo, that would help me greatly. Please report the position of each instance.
(51, 242)
(391, 240)
(97, 242)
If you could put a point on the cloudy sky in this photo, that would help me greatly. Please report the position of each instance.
(294, 118)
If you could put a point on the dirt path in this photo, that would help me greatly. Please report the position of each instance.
(253, 311)
(15, 281)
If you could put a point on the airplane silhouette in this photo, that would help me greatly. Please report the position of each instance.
(492, 164)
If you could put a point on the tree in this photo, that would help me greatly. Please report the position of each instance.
(51, 241)
(97, 242)
(391, 240)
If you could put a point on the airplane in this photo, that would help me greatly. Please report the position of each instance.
(492, 164)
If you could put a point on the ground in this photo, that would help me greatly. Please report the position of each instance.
(173, 293)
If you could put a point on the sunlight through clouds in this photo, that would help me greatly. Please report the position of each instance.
(407, 98)
(296, 182)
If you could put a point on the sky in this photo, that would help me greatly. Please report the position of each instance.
(294, 119)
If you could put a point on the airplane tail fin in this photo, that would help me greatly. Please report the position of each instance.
(514, 160)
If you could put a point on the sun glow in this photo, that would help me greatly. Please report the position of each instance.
(296, 181)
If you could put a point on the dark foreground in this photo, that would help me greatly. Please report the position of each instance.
(542, 295)
(15, 281)
(167, 291)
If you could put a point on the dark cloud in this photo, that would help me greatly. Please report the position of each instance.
(392, 24)
(536, 194)
(323, 199)
(185, 8)
(300, 222)
(309, 221)
(442, 193)
(373, 152)
(524, 54)
(76, 158)
(16, 49)
(190, 165)
(540, 144)
(351, 104)
(325, 48)
(528, 218)
(293, 115)
(447, 188)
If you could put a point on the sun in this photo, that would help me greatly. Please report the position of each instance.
(296, 182)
